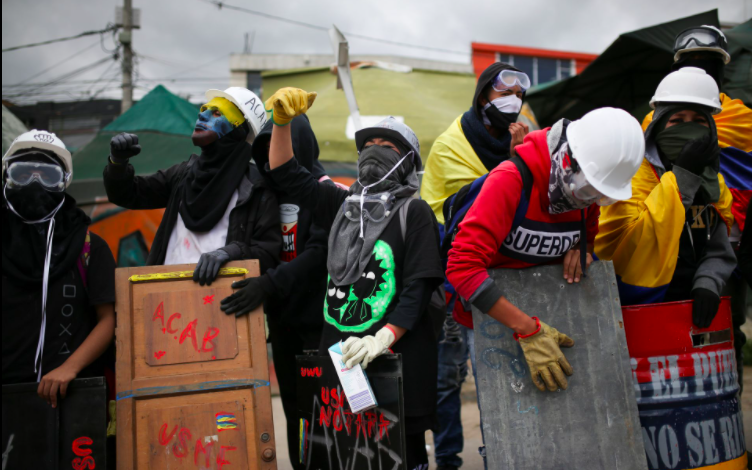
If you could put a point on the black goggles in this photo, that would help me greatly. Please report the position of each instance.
(700, 37)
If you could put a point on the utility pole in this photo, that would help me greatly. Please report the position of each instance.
(126, 37)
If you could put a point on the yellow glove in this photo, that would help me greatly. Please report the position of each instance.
(286, 103)
(544, 358)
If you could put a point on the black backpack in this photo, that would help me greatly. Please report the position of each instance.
(457, 205)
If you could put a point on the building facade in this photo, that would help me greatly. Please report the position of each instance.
(541, 65)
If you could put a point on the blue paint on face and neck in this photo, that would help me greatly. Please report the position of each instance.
(208, 121)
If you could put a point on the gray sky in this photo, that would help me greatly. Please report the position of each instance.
(178, 37)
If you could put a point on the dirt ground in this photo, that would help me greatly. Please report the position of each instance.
(471, 426)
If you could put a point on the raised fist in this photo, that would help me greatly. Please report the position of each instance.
(124, 146)
(287, 103)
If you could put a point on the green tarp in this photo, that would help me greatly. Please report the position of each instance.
(158, 111)
(627, 73)
(163, 122)
(429, 101)
(12, 128)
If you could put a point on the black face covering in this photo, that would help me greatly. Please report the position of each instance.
(33, 202)
(499, 120)
(212, 180)
(375, 161)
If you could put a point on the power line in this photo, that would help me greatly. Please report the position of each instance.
(191, 69)
(25, 80)
(51, 41)
(221, 5)
(89, 82)
(66, 76)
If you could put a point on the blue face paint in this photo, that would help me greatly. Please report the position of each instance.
(209, 122)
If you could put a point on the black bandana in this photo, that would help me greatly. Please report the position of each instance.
(212, 180)
(24, 244)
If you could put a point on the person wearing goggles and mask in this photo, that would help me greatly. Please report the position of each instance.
(575, 167)
(474, 144)
(381, 273)
(669, 241)
(56, 274)
(705, 47)
(218, 208)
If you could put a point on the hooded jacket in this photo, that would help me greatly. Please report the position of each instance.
(453, 162)
(300, 280)
(734, 126)
(254, 221)
(485, 240)
(642, 235)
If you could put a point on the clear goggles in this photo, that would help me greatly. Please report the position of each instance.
(49, 175)
(699, 37)
(584, 191)
(507, 79)
(375, 207)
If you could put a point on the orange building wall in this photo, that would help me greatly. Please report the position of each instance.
(485, 54)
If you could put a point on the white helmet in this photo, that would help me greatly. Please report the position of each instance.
(42, 140)
(609, 146)
(247, 102)
(688, 85)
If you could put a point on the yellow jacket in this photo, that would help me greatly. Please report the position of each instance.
(451, 165)
(641, 235)
(734, 126)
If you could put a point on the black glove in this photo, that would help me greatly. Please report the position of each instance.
(124, 146)
(697, 154)
(704, 307)
(208, 266)
(251, 293)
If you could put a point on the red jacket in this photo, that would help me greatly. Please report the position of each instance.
(485, 242)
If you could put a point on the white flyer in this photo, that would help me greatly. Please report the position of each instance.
(354, 382)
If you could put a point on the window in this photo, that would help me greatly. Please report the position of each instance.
(566, 69)
(540, 69)
(253, 81)
(547, 70)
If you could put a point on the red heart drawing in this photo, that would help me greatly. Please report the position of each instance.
(159, 354)
(85, 463)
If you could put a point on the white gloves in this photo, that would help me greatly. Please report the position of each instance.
(364, 350)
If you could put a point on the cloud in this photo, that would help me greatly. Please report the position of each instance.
(178, 35)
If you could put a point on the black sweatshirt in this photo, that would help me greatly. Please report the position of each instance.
(299, 282)
(395, 287)
(254, 222)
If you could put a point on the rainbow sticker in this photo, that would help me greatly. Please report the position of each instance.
(226, 421)
(303, 440)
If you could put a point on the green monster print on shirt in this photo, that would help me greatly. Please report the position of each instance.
(357, 307)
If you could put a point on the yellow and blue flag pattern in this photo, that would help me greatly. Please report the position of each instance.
(734, 125)
(641, 235)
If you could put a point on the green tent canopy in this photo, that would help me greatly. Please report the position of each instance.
(163, 122)
(12, 128)
(429, 101)
(627, 73)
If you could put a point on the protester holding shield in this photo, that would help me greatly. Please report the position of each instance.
(218, 206)
(381, 273)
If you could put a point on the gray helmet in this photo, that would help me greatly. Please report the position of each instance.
(392, 129)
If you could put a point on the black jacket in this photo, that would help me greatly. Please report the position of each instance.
(300, 280)
(254, 222)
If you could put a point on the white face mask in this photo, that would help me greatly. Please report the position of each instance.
(505, 104)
